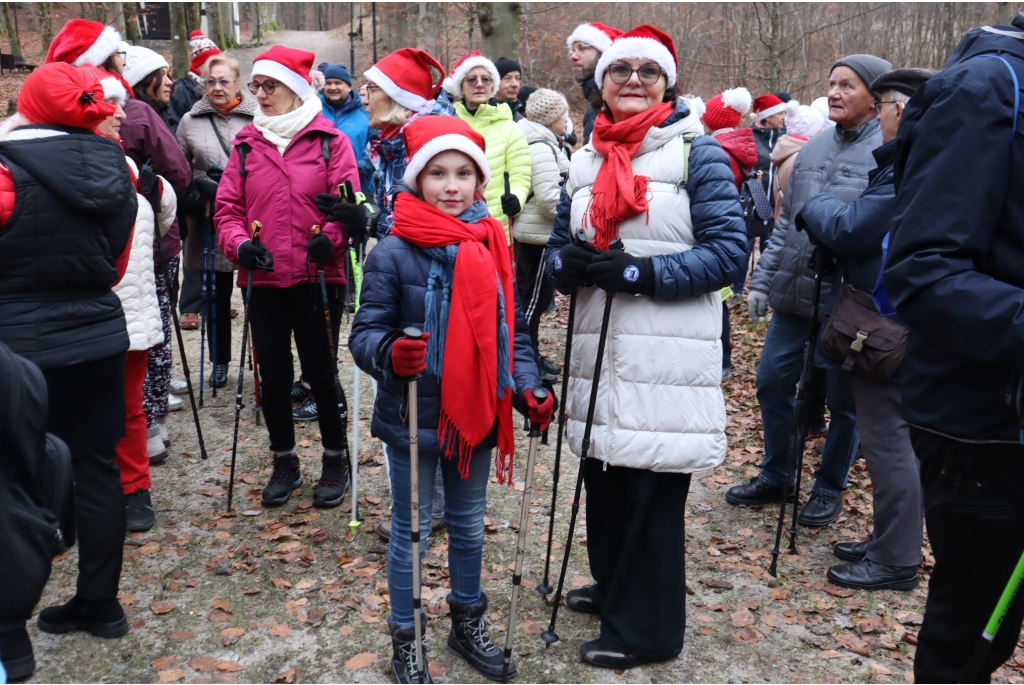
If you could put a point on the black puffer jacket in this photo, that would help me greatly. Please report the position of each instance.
(73, 215)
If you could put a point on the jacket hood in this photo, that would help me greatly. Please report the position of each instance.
(247, 106)
(786, 147)
(92, 175)
(486, 113)
(739, 144)
(998, 38)
(535, 132)
(351, 103)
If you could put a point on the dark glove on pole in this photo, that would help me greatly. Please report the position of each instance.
(621, 272)
(571, 264)
(319, 248)
(254, 257)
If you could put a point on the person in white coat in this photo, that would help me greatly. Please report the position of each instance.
(651, 178)
(547, 113)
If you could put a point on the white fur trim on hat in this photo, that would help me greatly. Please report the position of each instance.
(277, 71)
(406, 99)
(104, 46)
(591, 35)
(453, 84)
(635, 47)
(435, 146)
(737, 99)
(781, 107)
(112, 88)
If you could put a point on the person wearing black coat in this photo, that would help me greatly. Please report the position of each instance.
(955, 274)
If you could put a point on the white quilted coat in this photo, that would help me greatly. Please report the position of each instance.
(533, 225)
(659, 404)
(137, 288)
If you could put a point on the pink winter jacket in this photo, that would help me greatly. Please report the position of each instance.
(280, 193)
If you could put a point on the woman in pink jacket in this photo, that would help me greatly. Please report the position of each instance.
(280, 162)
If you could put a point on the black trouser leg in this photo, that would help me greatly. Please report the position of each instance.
(225, 287)
(726, 339)
(636, 539)
(191, 299)
(535, 288)
(975, 520)
(317, 360)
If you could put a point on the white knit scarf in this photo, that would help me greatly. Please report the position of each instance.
(281, 128)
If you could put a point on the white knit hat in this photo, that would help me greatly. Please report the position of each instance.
(141, 62)
(545, 106)
(821, 104)
(453, 84)
(802, 120)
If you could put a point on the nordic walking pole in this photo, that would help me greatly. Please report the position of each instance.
(202, 316)
(550, 636)
(357, 273)
(317, 230)
(213, 300)
(540, 394)
(256, 226)
(802, 427)
(545, 588)
(414, 506)
(972, 674)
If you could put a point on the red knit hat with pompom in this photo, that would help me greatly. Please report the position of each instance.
(726, 110)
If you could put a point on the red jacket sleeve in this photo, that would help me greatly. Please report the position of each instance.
(7, 194)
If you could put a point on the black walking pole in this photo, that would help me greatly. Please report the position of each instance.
(549, 636)
(373, 9)
(317, 230)
(203, 313)
(802, 427)
(213, 299)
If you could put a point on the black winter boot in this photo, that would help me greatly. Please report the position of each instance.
(469, 639)
(285, 478)
(403, 656)
(16, 654)
(102, 618)
(334, 481)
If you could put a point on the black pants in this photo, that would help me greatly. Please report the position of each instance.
(535, 288)
(191, 298)
(225, 284)
(275, 314)
(636, 540)
(975, 518)
(92, 430)
(726, 339)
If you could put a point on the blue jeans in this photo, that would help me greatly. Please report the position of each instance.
(463, 514)
(777, 377)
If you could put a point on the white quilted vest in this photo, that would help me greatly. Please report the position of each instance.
(659, 404)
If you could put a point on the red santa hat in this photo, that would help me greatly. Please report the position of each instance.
(767, 105)
(726, 109)
(109, 83)
(406, 76)
(58, 93)
(643, 42)
(288, 66)
(426, 137)
(200, 49)
(81, 41)
(453, 84)
(595, 33)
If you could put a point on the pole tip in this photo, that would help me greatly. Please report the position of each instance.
(549, 636)
(545, 589)
(353, 526)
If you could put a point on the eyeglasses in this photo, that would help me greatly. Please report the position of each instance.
(223, 83)
(622, 73)
(879, 103)
(268, 87)
(482, 80)
(123, 55)
(579, 47)
(370, 87)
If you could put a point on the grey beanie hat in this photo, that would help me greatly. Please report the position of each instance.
(545, 106)
(867, 67)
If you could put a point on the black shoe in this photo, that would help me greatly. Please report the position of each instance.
(755, 492)
(285, 478)
(548, 371)
(598, 654)
(851, 551)
(138, 509)
(300, 391)
(582, 600)
(334, 481)
(403, 653)
(219, 377)
(820, 510)
(102, 618)
(470, 640)
(16, 654)
(867, 575)
(305, 411)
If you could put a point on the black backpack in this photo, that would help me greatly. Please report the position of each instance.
(757, 208)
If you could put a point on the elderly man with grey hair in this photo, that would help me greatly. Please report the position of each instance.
(839, 161)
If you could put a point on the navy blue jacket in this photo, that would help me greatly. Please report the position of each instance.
(955, 268)
(394, 286)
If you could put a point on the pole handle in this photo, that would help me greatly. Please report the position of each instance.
(256, 227)
(412, 333)
(508, 185)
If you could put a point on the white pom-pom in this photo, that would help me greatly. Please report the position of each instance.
(449, 86)
(737, 99)
(792, 107)
(317, 77)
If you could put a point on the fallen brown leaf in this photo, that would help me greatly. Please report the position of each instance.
(346, 630)
(829, 654)
(286, 677)
(163, 662)
(779, 594)
(749, 635)
(171, 675)
(220, 616)
(224, 604)
(149, 548)
(436, 669)
(205, 664)
(281, 583)
(228, 666)
(182, 635)
(161, 607)
(742, 618)
(532, 628)
(280, 630)
(361, 660)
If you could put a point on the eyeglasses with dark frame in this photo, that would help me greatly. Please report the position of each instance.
(268, 87)
(648, 74)
(879, 103)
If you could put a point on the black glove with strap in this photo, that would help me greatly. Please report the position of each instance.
(254, 257)
(353, 217)
(319, 248)
(620, 272)
(510, 205)
(571, 264)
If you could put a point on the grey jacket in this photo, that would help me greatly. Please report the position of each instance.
(837, 162)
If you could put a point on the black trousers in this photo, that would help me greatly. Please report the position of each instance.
(636, 541)
(535, 288)
(274, 315)
(225, 281)
(92, 430)
(191, 298)
(975, 518)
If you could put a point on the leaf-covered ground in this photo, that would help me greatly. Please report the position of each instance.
(289, 594)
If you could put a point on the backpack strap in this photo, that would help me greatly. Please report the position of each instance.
(1016, 93)
(325, 149)
(243, 150)
(687, 144)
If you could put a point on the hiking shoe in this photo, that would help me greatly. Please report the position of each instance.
(756, 492)
(16, 654)
(300, 391)
(334, 481)
(867, 575)
(820, 510)
(285, 478)
(403, 653)
(305, 411)
(582, 600)
(219, 377)
(103, 618)
(384, 530)
(548, 371)
(175, 403)
(155, 445)
(139, 514)
(189, 322)
(598, 654)
(178, 387)
(469, 639)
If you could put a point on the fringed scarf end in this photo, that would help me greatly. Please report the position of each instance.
(452, 442)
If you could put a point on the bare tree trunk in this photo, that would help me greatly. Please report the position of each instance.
(499, 24)
(12, 32)
(131, 23)
(45, 12)
(1005, 12)
(192, 22)
(179, 42)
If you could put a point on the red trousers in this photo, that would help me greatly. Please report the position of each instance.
(132, 458)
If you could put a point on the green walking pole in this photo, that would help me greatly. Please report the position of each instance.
(972, 673)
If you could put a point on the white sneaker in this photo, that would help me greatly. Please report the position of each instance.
(162, 425)
(155, 445)
(174, 403)
(179, 387)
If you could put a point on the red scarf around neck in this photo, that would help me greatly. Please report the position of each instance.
(469, 377)
(617, 194)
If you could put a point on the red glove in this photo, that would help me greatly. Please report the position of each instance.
(539, 413)
(409, 357)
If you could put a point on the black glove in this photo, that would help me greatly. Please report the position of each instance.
(571, 139)
(207, 189)
(319, 248)
(571, 264)
(326, 202)
(510, 205)
(353, 218)
(215, 173)
(254, 257)
(621, 272)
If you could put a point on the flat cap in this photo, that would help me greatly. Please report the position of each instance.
(905, 81)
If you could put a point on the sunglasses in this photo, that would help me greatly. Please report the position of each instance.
(223, 83)
(268, 87)
(622, 73)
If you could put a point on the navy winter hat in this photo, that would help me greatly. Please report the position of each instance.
(338, 71)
